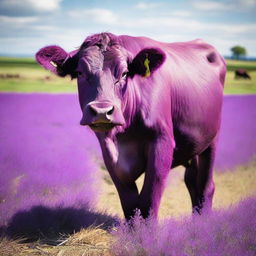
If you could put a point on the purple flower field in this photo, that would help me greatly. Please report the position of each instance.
(224, 232)
(237, 140)
(46, 158)
(49, 164)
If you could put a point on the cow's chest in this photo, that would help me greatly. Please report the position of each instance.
(131, 160)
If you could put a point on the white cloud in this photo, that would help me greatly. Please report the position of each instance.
(236, 29)
(98, 15)
(69, 28)
(248, 3)
(162, 23)
(181, 13)
(27, 7)
(17, 20)
(145, 6)
(44, 5)
(210, 5)
(44, 28)
(177, 23)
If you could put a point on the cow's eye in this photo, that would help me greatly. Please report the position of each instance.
(79, 73)
(124, 74)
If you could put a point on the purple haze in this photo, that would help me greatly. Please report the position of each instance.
(222, 232)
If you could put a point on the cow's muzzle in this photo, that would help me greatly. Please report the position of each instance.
(102, 116)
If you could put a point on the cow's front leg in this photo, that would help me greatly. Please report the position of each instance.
(158, 166)
(127, 189)
(129, 196)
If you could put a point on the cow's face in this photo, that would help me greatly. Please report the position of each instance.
(102, 75)
(101, 78)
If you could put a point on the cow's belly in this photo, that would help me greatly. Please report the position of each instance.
(131, 161)
(190, 142)
(196, 123)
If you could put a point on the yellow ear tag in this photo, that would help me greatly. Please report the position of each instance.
(53, 64)
(146, 65)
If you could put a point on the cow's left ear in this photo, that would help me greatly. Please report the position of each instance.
(146, 62)
(57, 60)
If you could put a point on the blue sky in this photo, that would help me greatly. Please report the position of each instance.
(27, 25)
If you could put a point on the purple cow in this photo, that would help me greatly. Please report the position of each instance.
(152, 106)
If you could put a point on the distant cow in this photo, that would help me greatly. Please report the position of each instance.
(152, 106)
(242, 73)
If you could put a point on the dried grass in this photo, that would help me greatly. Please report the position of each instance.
(87, 242)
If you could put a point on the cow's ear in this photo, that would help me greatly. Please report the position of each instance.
(146, 62)
(57, 60)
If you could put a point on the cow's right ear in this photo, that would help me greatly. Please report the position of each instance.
(57, 60)
(146, 62)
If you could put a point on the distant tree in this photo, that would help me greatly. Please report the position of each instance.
(238, 51)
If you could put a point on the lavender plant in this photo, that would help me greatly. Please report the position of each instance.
(237, 140)
(219, 233)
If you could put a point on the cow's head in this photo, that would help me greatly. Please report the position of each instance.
(102, 68)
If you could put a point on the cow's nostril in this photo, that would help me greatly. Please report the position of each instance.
(93, 110)
(110, 112)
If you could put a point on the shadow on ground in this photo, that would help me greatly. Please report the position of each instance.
(50, 225)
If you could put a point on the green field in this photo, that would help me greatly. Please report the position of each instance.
(25, 75)
(31, 77)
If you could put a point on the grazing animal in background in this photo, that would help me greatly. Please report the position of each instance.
(153, 106)
(242, 73)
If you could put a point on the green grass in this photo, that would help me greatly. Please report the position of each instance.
(27, 86)
(235, 64)
(33, 78)
(240, 86)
